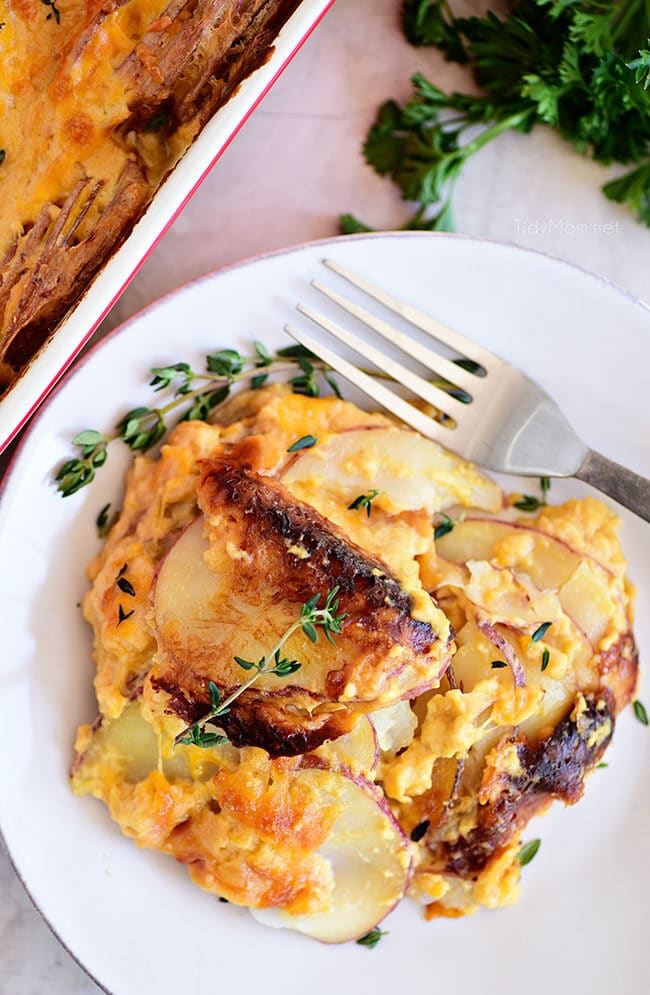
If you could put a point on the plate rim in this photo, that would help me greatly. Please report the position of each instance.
(77, 363)
(123, 327)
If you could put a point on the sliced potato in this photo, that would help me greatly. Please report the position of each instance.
(130, 748)
(411, 472)
(357, 752)
(370, 857)
(394, 726)
(235, 581)
(548, 562)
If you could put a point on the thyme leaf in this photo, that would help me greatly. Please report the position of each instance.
(528, 851)
(540, 632)
(444, 525)
(372, 938)
(306, 442)
(122, 615)
(364, 501)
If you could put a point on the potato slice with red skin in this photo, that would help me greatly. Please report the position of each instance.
(525, 759)
(237, 591)
(371, 858)
(411, 472)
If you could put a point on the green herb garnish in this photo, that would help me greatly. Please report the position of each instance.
(311, 619)
(540, 632)
(528, 851)
(157, 121)
(126, 586)
(530, 503)
(420, 831)
(198, 394)
(372, 938)
(122, 615)
(601, 765)
(546, 656)
(640, 712)
(580, 68)
(364, 501)
(103, 523)
(444, 526)
(306, 442)
(498, 664)
(54, 12)
(3, 155)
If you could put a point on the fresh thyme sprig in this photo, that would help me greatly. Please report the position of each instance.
(311, 619)
(200, 392)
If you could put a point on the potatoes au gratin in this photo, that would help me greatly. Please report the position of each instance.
(477, 676)
(98, 102)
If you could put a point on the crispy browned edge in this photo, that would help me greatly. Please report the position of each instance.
(378, 609)
(60, 270)
(552, 768)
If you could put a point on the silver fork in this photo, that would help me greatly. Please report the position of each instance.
(493, 414)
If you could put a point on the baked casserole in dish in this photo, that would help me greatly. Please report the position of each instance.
(98, 102)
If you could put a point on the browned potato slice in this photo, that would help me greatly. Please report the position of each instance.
(235, 582)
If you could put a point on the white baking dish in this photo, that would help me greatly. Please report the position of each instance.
(34, 384)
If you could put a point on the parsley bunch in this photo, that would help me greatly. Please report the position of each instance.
(581, 68)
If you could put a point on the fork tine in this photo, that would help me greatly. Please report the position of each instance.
(433, 361)
(448, 336)
(433, 395)
(396, 405)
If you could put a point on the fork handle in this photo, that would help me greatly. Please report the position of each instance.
(628, 488)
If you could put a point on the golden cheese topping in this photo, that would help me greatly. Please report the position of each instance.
(99, 99)
(542, 660)
(62, 97)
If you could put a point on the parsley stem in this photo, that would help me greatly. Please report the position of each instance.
(513, 121)
(625, 15)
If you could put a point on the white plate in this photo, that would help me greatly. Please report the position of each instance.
(76, 328)
(132, 917)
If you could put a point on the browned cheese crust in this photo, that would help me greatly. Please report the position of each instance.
(138, 63)
(551, 768)
(280, 553)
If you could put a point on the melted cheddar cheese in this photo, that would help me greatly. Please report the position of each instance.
(98, 101)
(520, 717)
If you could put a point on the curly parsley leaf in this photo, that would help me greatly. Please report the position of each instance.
(578, 67)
